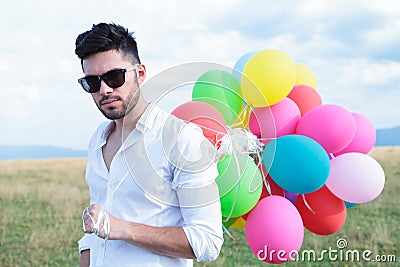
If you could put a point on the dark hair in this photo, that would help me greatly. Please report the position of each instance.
(104, 37)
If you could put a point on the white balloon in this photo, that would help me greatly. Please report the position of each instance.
(355, 177)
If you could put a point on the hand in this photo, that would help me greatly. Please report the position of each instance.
(96, 220)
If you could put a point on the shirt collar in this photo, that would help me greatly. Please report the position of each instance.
(145, 122)
(106, 130)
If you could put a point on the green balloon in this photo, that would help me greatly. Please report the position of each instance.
(228, 223)
(221, 90)
(239, 184)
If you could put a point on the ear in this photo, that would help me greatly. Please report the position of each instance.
(141, 74)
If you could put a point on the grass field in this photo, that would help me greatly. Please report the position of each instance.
(41, 202)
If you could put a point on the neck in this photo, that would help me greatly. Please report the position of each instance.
(125, 125)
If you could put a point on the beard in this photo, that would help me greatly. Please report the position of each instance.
(127, 105)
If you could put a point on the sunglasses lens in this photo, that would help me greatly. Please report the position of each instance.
(114, 78)
(91, 84)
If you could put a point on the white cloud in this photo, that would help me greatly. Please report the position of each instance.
(4, 66)
(387, 34)
(378, 73)
(18, 102)
(383, 7)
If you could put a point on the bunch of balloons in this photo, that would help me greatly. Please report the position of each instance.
(287, 160)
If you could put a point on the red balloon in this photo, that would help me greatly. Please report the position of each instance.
(204, 115)
(322, 212)
(274, 189)
(305, 97)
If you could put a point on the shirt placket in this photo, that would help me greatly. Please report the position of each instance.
(109, 202)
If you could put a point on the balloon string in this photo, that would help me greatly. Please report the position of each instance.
(307, 205)
(264, 175)
(230, 235)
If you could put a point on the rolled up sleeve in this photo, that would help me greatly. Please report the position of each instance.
(204, 232)
(85, 242)
(201, 212)
(195, 172)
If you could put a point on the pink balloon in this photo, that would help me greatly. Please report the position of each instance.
(204, 115)
(364, 139)
(332, 126)
(305, 97)
(275, 121)
(274, 230)
(253, 123)
(355, 177)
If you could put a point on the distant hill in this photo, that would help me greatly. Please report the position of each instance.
(8, 152)
(388, 137)
(384, 137)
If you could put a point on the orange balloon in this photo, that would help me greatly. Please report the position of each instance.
(239, 223)
(321, 211)
(305, 97)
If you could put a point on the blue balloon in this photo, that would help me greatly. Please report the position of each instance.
(297, 163)
(239, 66)
(349, 204)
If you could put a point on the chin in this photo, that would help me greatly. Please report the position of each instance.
(113, 114)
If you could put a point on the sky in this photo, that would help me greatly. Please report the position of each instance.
(352, 47)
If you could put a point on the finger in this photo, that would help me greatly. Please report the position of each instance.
(88, 218)
(84, 218)
(93, 209)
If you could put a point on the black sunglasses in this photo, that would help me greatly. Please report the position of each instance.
(113, 78)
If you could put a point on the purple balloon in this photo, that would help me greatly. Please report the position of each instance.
(291, 196)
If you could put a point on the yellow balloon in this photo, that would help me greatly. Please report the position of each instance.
(305, 75)
(268, 77)
(242, 119)
(239, 223)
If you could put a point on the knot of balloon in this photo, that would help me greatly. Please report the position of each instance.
(239, 141)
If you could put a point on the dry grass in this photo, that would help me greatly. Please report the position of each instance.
(41, 202)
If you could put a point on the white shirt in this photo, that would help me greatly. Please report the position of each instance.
(163, 175)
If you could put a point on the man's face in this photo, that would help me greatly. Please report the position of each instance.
(114, 103)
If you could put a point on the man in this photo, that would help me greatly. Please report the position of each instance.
(153, 198)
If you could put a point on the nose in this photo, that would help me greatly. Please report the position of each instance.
(104, 88)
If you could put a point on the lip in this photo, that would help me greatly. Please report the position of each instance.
(108, 102)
